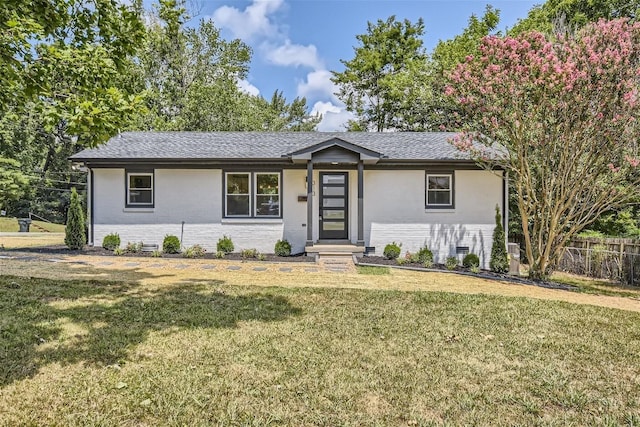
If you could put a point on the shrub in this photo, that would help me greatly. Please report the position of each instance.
(451, 263)
(195, 251)
(475, 269)
(156, 254)
(424, 255)
(261, 257)
(133, 248)
(401, 261)
(499, 261)
(471, 260)
(249, 253)
(428, 263)
(111, 241)
(225, 245)
(118, 251)
(220, 254)
(282, 248)
(171, 244)
(392, 250)
(75, 236)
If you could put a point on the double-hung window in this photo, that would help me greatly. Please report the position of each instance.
(139, 189)
(252, 194)
(439, 190)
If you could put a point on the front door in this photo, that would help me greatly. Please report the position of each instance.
(334, 200)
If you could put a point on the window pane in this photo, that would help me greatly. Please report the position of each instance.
(332, 203)
(238, 183)
(333, 191)
(139, 181)
(333, 226)
(339, 214)
(439, 198)
(439, 183)
(267, 183)
(333, 179)
(267, 206)
(238, 205)
(140, 196)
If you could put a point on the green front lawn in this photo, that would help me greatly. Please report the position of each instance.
(209, 353)
(11, 225)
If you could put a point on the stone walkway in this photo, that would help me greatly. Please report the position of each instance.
(326, 264)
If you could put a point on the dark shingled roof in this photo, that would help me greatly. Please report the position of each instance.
(266, 145)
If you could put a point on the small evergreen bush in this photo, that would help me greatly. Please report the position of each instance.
(471, 260)
(424, 255)
(392, 250)
(220, 254)
(111, 241)
(225, 245)
(156, 254)
(499, 261)
(282, 248)
(171, 244)
(451, 263)
(249, 253)
(118, 251)
(75, 236)
(195, 251)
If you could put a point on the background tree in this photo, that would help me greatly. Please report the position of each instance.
(381, 84)
(562, 118)
(191, 77)
(13, 183)
(574, 14)
(446, 56)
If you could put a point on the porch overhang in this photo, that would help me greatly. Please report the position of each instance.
(335, 151)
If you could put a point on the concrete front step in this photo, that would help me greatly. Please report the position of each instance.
(334, 249)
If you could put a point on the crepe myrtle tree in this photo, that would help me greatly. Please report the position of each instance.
(561, 117)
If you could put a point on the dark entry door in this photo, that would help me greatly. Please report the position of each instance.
(334, 200)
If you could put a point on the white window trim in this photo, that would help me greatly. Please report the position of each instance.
(226, 194)
(255, 195)
(129, 202)
(449, 190)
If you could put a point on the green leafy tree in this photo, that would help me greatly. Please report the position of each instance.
(499, 261)
(13, 183)
(572, 15)
(191, 77)
(75, 235)
(64, 59)
(382, 83)
(561, 117)
(446, 56)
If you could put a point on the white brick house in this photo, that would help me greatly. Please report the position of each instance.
(310, 188)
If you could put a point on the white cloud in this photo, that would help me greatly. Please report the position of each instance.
(318, 83)
(247, 87)
(291, 54)
(334, 117)
(252, 21)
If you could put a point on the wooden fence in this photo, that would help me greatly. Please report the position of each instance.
(610, 258)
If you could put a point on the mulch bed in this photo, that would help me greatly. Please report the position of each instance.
(485, 274)
(100, 251)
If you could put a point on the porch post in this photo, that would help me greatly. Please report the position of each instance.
(309, 203)
(360, 241)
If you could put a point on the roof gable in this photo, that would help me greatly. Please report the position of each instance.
(335, 150)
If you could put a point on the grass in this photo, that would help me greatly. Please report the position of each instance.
(202, 352)
(25, 240)
(10, 225)
(596, 286)
(373, 271)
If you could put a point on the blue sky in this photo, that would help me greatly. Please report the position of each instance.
(297, 43)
